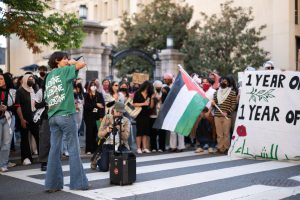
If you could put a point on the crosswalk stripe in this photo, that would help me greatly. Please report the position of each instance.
(25, 174)
(239, 193)
(255, 192)
(161, 167)
(30, 172)
(180, 181)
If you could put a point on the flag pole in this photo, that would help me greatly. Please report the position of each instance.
(180, 67)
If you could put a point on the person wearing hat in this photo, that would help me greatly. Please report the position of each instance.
(114, 123)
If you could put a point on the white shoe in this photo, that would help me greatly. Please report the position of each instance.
(10, 164)
(3, 169)
(153, 150)
(66, 153)
(26, 161)
(88, 153)
(211, 150)
(146, 151)
(159, 150)
(139, 151)
(199, 150)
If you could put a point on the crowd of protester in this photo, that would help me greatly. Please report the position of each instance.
(23, 114)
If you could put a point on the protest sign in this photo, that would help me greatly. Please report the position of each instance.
(139, 77)
(268, 119)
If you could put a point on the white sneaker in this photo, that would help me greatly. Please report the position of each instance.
(211, 150)
(146, 151)
(139, 151)
(10, 164)
(199, 150)
(88, 153)
(26, 161)
(159, 150)
(3, 169)
(66, 153)
(153, 150)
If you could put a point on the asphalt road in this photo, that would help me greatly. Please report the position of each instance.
(166, 176)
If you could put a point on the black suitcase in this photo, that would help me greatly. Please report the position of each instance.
(122, 168)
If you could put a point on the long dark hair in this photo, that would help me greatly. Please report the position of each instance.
(147, 85)
(111, 91)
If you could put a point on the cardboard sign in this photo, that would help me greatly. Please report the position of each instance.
(139, 77)
(268, 118)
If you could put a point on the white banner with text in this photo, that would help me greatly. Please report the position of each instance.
(268, 119)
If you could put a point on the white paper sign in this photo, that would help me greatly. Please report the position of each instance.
(268, 119)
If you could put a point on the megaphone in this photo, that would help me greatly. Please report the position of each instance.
(78, 58)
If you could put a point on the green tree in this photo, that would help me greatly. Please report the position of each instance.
(149, 29)
(26, 19)
(225, 43)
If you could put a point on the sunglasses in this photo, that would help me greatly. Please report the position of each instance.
(270, 68)
(116, 85)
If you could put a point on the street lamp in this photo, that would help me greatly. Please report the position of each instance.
(83, 12)
(170, 42)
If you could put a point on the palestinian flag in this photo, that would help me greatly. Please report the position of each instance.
(182, 106)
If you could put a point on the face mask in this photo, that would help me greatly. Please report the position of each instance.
(123, 89)
(93, 88)
(158, 90)
(223, 85)
(42, 74)
(205, 87)
(30, 83)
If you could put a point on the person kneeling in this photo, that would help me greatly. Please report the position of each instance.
(113, 125)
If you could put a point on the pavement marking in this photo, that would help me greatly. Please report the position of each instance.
(25, 174)
(160, 167)
(296, 178)
(30, 172)
(181, 181)
(112, 192)
(255, 192)
(238, 193)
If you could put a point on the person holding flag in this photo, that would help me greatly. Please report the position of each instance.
(182, 106)
(225, 102)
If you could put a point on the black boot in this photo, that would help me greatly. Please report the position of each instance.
(43, 166)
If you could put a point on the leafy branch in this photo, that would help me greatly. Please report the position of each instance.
(260, 94)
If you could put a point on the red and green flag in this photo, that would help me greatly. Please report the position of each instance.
(183, 105)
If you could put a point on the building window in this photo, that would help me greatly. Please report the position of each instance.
(296, 11)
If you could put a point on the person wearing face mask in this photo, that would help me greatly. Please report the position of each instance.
(93, 110)
(225, 99)
(154, 111)
(25, 105)
(206, 127)
(42, 72)
(124, 89)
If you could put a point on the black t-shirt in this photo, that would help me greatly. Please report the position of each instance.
(23, 100)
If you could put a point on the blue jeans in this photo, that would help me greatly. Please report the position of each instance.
(5, 140)
(64, 126)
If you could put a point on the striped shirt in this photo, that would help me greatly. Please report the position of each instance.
(227, 106)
